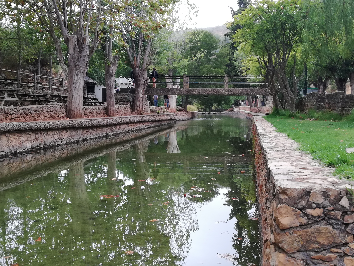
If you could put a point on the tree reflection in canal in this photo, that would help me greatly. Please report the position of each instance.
(146, 205)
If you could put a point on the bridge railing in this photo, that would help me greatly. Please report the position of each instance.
(190, 82)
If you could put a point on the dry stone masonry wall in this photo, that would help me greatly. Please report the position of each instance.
(307, 214)
(337, 102)
(24, 137)
(53, 112)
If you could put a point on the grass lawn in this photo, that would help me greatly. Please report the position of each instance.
(324, 135)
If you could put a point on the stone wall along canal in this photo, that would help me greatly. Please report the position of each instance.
(181, 196)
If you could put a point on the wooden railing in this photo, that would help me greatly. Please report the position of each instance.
(189, 82)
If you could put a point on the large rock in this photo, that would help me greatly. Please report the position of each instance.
(281, 259)
(287, 217)
(315, 238)
(328, 257)
(349, 261)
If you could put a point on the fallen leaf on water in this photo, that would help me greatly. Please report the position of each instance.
(219, 173)
(166, 203)
(142, 180)
(129, 252)
(7, 257)
(150, 204)
(254, 219)
(154, 220)
(242, 172)
(108, 196)
(114, 179)
(39, 239)
(133, 187)
(234, 198)
(240, 238)
(15, 264)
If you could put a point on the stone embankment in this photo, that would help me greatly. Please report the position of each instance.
(24, 137)
(53, 112)
(307, 214)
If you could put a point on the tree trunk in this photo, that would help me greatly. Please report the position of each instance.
(139, 91)
(185, 102)
(78, 64)
(110, 71)
(340, 83)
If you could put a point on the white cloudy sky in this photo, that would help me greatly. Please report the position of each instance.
(211, 13)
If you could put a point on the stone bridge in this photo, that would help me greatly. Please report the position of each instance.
(207, 85)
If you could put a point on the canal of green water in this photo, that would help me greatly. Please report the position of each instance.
(183, 196)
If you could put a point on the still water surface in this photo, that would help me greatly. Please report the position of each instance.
(185, 196)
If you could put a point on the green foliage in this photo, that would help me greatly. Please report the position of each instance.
(96, 69)
(167, 54)
(310, 114)
(24, 45)
(192, 108)
(204, 53)
(268, 32)
(328, 40)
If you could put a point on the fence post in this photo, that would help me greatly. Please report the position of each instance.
(185, 82)
(226, 82)
(35, 81)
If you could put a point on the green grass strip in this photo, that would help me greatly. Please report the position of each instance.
(326, 136)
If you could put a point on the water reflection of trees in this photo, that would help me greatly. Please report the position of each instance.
(74, 216)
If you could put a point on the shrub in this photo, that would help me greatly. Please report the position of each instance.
(192, 108)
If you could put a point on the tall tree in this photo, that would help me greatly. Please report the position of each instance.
(329, 41)
(77, 23)
(139, 25)
(269, 32)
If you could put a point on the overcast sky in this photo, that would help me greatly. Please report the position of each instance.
(213, 13)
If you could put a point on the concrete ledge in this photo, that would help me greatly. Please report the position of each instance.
(307, 214)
